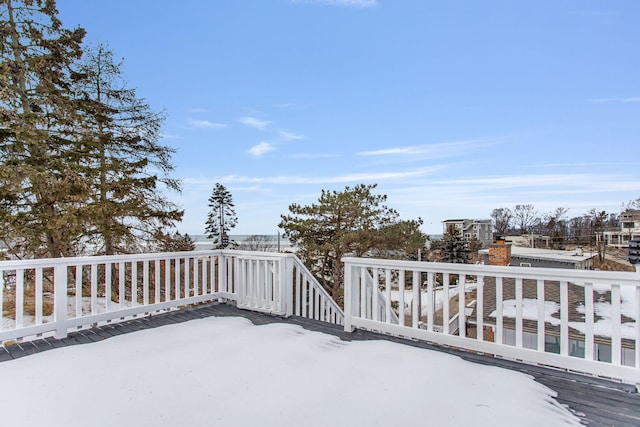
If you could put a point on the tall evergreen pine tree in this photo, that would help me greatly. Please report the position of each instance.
(80, 160)
(120, 136)
(222, 217)
(40, 185)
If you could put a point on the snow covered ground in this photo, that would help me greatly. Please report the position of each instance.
(602, 327)
(530, 310)
(229, 372)
(438, 297)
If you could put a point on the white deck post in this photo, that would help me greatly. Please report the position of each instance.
(349, 299)
(60, 300)
(286, 284)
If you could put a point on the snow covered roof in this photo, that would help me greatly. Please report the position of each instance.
(547, 254)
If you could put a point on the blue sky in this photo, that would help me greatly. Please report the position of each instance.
(453, 108)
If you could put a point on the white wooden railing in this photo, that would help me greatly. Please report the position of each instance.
(583, 321)
(54, 296)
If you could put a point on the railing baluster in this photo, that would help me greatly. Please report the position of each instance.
(375, 310)
(197, 285)
(145, 282)
(250, 283)
(19, 298)
(363, 293)
(262, 282)
(304, 296)
(298, 295)
(121, 283)
(401, 279)
(212, 275)
(589, 348)
(205, 276)
(157, 283)
(416, 299)
(387, 294)
(94, 288)
(564, 318)
(134, 283)
(261, 271)
(519, 322)
(323, 307)
(222, 284)
(78, 290)
(445, 303)
(480, 309)
(430, 301)
(167, 279)
(186, 283)
(499, 336)
(107, 285)
(274, 290)
(616, 323)
(39, 297)
(177, 278)
(541, 325)
(462, 327)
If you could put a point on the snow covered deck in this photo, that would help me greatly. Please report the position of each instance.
(595, 402)
(574, 321)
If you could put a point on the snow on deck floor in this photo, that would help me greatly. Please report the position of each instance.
(229, 372)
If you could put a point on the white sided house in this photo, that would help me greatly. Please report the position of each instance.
(629, 229)
(481, 229)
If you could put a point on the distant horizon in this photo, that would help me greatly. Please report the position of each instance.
(203, 237)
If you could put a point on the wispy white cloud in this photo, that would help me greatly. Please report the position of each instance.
(616, 100)
(585, 164)
(297, 179)
(543, 183)
(340, 3)
(205, 124)
(261, 149)
(443, 149)
(290, 136)
(254, 122)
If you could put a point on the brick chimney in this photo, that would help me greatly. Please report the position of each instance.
(500, 253)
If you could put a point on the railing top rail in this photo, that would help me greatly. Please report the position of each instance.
(557, 274)
(101, 259)
(257, 254)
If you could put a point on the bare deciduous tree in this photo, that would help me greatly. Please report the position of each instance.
(501, 220)
(524, 216)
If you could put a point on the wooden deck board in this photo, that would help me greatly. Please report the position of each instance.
(598, 402)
